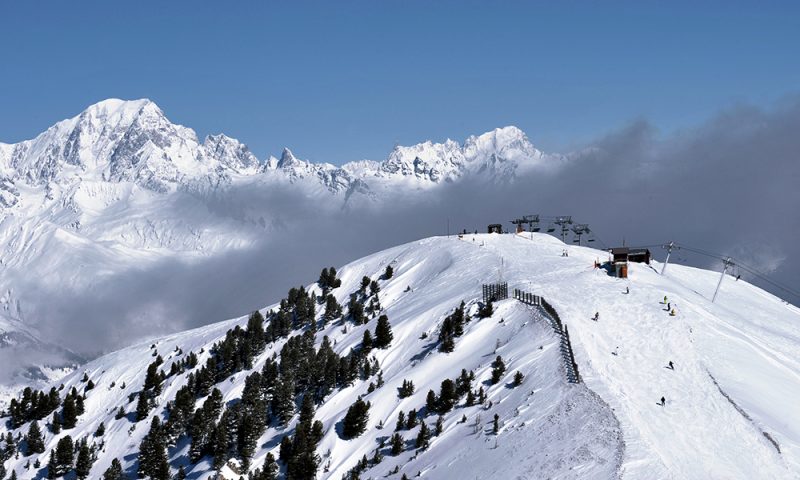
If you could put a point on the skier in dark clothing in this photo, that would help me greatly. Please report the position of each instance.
(596, 316)
(671, 366)
(663, 401)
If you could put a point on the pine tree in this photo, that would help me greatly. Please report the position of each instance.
(412, 419)
(52, 466)
(366, 343)
(389, 273)
(447, 396)
(304, 461)
(439, 425)
(355, 310)
(423, 437)
(470, 398)
(113, 472)
(430, 401)
(283, 401)
(65, 455)
(34, 439)
(270, 471)
(181, 475)
(142, 406)
(285, 450)
(153, 461)
(374, 288)
(11, 447)
(220, 446)
(355, 421)
(463, 383)
(13, 475)
(496, 424)
(383, 333)
(481, 396)
(365, 281)
(120, 413)
(332, 309)
(401, 422)
(55, 424)
(83, 465)
(69, 414)
(397, 444)
(101, 430)
(407, 389)
(498, 369)
(448, 344)
(518, 378)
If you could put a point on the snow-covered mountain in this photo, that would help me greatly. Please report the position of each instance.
(120, 188)
(730, 409)
(119, 141)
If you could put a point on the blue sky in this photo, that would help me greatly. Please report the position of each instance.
(338, 81)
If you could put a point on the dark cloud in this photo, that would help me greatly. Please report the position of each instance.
(728, 186)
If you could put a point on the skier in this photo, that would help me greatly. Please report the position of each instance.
(663, 401)
(671, 366)
(627, 290)
(668, 307)
(665, 299)
(672, 313)
(596, 316)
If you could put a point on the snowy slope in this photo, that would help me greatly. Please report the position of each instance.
(749, 341)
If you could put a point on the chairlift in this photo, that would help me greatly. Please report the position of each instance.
(551, 228)
(536, 228)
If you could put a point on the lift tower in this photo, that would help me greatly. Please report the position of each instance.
(532, 221)
(564, 222)
(580, 229)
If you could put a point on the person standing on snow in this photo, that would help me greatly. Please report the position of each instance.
(663, 401)
(671, 366)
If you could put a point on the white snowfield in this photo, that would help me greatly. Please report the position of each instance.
(731, 407)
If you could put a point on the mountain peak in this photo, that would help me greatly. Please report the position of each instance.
(287, 159)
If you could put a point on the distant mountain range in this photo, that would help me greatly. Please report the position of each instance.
(118, 141)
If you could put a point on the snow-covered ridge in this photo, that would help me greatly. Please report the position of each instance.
(743, 349)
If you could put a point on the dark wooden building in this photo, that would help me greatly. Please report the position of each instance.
(639, 255)
(495, 228)
(619, 260)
